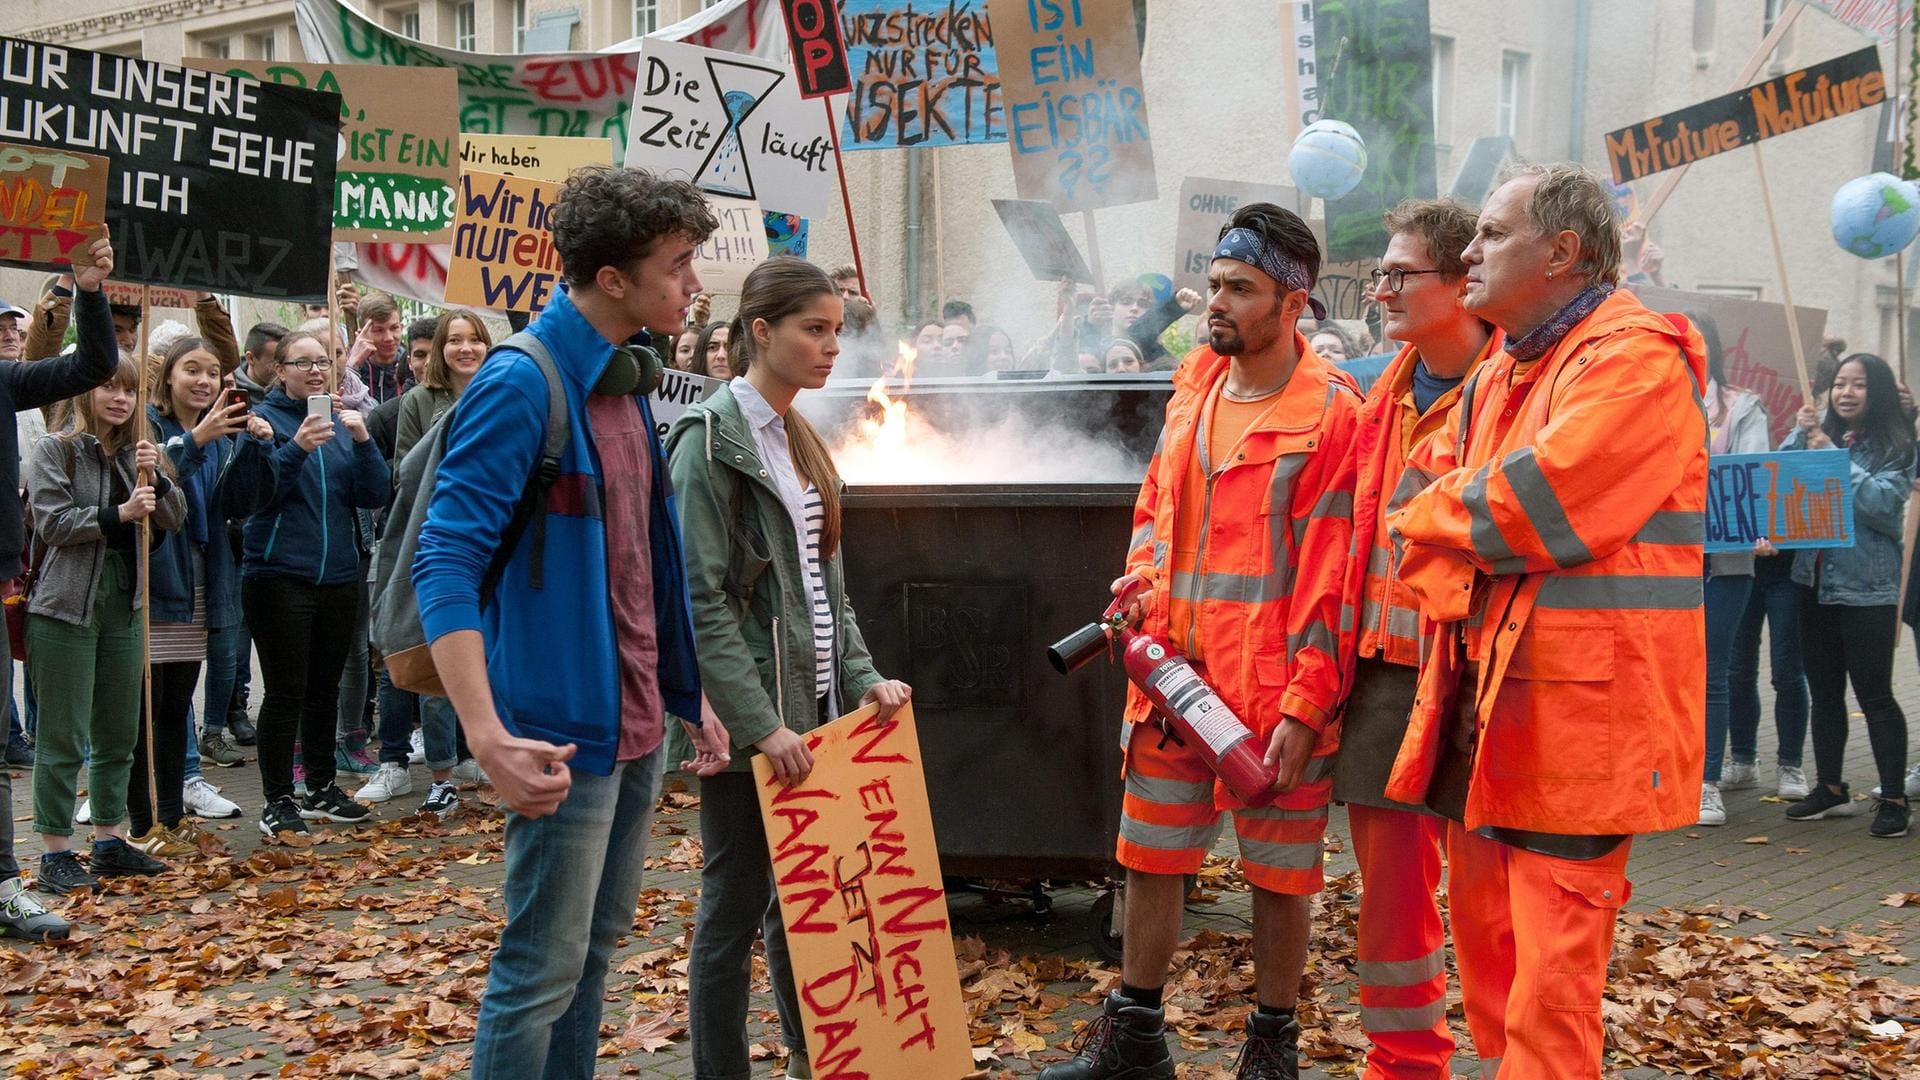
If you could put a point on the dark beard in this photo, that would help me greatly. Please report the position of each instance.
(1232, 344)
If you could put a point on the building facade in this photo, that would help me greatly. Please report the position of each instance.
(1555, 75)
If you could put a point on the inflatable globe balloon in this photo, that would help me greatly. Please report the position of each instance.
(1876, 215)
(1328, 159)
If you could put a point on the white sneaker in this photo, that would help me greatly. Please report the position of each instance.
(390, 782)
(1712, 810)
(204, 801)
(469, 773)
(84, 815)
(1738, 775)
(1911, 782)
(1793, 782)
(418, 755)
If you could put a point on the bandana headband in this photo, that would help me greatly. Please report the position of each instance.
(1245, 245)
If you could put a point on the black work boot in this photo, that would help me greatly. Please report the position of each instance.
(1272, 1050)
(1125, 1042)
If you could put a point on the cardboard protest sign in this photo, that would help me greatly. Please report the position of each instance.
(1788, 103)
(813, 39)
(1754, 345)
(858, 877)
(734, 125)
(52, 205)
(678, 390)
(394, 176)
(1075, 103)
(734, 249)
(121, 294)
(924, 75)
(1875, 18)
(503, 255)
(1205, 206)
(786, 234)
(1042, 238)
(1795, 499)
(218, 183)
(1382, 84)
(543, 157)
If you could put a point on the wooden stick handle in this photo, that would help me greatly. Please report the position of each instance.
(1786, 291)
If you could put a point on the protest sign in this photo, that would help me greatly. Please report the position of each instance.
(786, 234)
(543, 157)
(52, 205)
(1790, 102)
(1755, 345)
(923, 75)
(1382, 84)
(1875, 18)
(678, 390)
(121, 294)
(393, 179)
(190, 151)
(734, 249)
(1075, 104)
(503, 254)
(734, 125)
(1042, 238)
(813, 39)
(1205, 206)
(1796, 499)
(858, 877)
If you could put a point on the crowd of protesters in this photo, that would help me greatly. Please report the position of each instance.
(260, 475)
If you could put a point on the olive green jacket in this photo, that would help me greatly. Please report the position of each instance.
(751, 617)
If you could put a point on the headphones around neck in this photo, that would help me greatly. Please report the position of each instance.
(634, 369)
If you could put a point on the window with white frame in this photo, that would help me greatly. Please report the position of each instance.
(217, 48)
(646, 16)
(1515, 85)
(405, 21)
(466, 27)
(260, 46)
(519, 25)
(1442, 90)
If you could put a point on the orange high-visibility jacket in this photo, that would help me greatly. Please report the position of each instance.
(1267, 595)
(1567, 537)
(1389, 624)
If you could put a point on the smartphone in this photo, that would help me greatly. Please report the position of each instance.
(320, 405)
(238, 398)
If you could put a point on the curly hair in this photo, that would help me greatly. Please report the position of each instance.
(1444, 225)
(611, 216)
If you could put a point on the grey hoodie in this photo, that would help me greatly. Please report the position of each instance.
(71, 517)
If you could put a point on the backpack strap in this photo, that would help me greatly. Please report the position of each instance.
(531, 511)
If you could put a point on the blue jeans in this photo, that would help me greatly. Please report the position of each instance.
(1775, 602)
(577, 868)
(1726, 605)
(193, 749)
(223, 671)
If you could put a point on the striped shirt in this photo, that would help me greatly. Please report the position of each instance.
(816, 519)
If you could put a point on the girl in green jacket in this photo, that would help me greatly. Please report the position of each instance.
(779, 651)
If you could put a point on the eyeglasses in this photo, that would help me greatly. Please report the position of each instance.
(1395, 278)
(306, 365)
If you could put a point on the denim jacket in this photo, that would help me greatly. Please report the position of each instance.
(1868, 573)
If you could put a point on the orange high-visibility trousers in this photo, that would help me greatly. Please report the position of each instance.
(1532, 936)
(1402, 949)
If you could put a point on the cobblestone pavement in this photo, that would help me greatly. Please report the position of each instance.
(1806, 876)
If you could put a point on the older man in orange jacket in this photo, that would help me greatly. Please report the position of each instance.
(1239, 554)
(1559, 551)
(1401, 953)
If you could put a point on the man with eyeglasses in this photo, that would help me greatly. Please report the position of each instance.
(1420, 285)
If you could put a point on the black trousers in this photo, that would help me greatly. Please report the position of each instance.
(303, 633)
(1841, 644)
(173, 686)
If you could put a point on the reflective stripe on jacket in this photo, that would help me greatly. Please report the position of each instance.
(1565, 542)
(1267, 594)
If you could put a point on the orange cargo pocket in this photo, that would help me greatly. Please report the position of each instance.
(1577, 936)
(1553, 716)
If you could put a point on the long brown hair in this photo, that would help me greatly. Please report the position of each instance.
(77, 416)
(162, 387)
(439, 375)
(775, 290)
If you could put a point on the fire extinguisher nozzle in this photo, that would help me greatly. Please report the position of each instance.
(1078, 649)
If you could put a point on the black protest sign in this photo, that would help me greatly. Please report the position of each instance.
(819, 59)
(1042, 238)
(1382, 84)
(1836, 87)
(218, 183)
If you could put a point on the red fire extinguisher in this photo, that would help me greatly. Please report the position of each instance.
(1182, 698)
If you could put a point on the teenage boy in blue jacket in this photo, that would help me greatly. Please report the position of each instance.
(563, 689)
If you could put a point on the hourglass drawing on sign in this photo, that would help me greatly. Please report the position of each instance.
(742, 87)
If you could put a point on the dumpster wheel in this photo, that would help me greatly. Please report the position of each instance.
(1105, 921)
